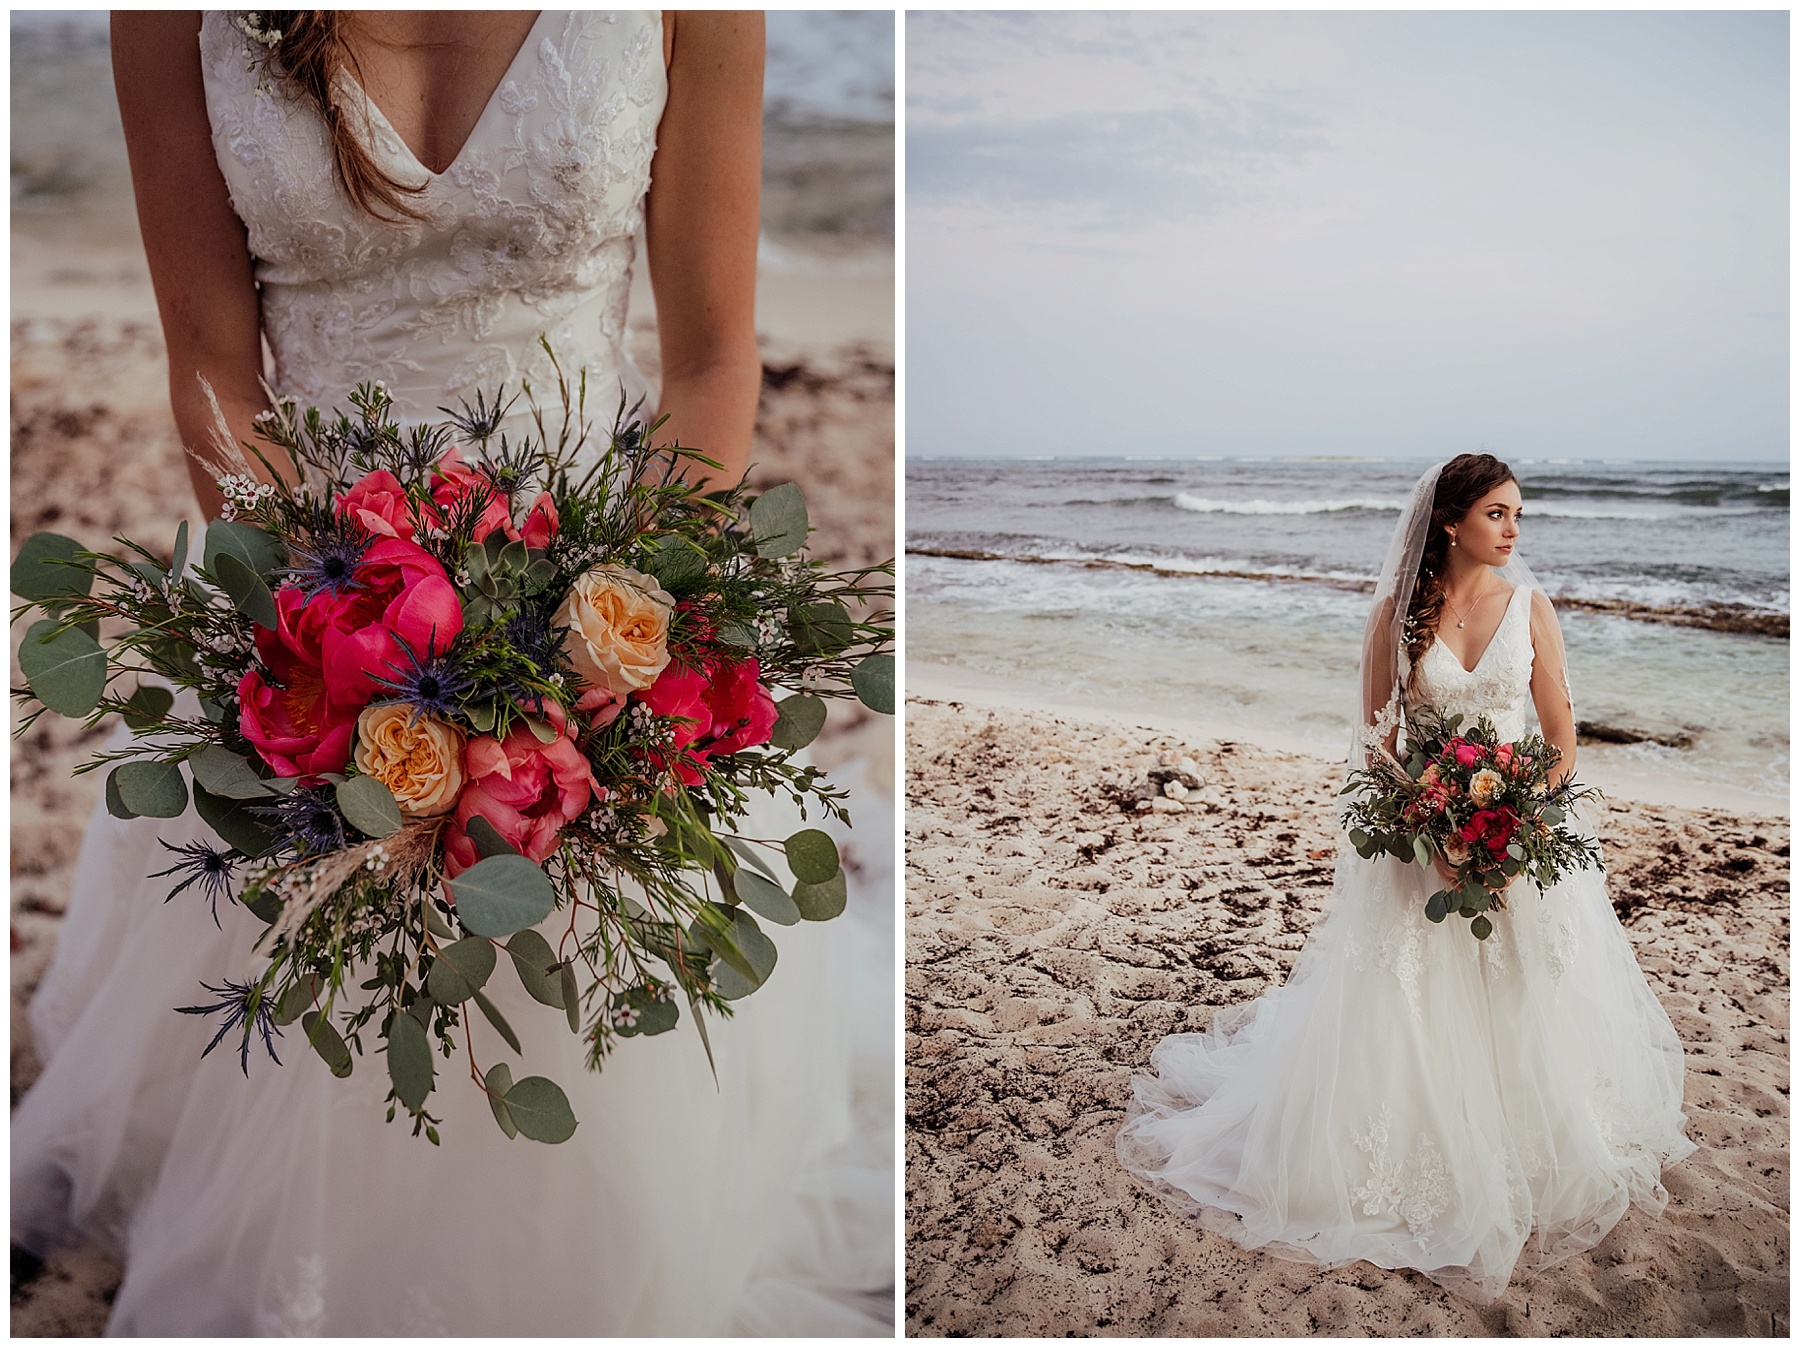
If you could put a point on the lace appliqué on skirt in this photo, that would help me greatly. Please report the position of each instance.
(1415, 1189)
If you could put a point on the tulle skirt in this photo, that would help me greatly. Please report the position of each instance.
(284, 1204)
(1419, 1099)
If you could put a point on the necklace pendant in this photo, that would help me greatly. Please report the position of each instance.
(1459, 625)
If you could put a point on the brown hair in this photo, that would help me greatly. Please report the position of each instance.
(1460, 486)
(310, 53)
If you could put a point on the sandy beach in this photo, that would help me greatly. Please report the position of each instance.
(1055, 935)
(95, 454)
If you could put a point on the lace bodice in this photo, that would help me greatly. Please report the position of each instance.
(529, 232)
(1499, 687)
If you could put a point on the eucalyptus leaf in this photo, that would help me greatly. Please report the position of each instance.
(798, 721)
(873, 680)
(460, 969)
(247, 590)
(537, 966)
(498, 1021)
(1481, 928)
(298, 999)
(233, 822)
(499, 1081)
(153, 789)
(178, 559)
(823, 901)
(541, 1110)
(487, 839)
(43, 569)
(481, 715)
(259, 551)
(541, 730)
(1421, 849)
(435, 924)
(820, 629)
(749, 855)
(752, 947)
(502, 894)
(263, 903)
(738, 634)
(1551, 814)
(766, 898)
(115, 803)
(149, 704)
(409, 1060)
(67, 671)
(812, 856)
(330, 1045)
(226, 774)
(369, 806)
(778, 521)
(571, 995)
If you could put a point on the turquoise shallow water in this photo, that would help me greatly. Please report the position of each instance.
(1279, 654)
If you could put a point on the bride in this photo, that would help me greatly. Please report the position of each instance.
(416, 198)
(1413, 1097)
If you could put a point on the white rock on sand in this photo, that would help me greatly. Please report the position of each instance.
(1055, 934)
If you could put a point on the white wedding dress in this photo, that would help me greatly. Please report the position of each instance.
(1415, 1097)
(284, 1204)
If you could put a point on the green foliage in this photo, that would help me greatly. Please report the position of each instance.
(540, 1110)
(246, 589)
(539, 969)
(498, 1082)
(369, 806)
(812, 856)
(64, 667)
(778, 521)
(48, 567)
(253, 548)
(823, 901)
(153, 789)
(460, 970)
(873, 680)
(502, 894)
(766, 898)
(798, 721)
(409, 1061)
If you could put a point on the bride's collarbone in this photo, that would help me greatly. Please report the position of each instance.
(1466, 632)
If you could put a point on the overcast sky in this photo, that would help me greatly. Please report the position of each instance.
(1407, 233)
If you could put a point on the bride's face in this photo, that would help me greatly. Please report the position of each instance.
(1488, 532)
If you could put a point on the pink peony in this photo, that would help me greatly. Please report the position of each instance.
(1467, 755)
(603, 703)
(722, 709)
(529, 791)
(1493, 829)
(378, 502)
(406, 597)
(541, 523)
(452, 481)
(290, 716)
(742, 710)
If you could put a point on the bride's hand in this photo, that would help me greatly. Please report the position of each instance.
(1446, 872)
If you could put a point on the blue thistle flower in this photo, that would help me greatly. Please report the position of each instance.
(434, 684)
(308, 821)
(234, 1004)
(329, 565)
(205, 866)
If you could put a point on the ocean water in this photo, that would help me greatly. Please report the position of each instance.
(1236, 591)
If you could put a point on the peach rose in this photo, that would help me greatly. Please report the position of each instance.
(1485, 787)
(618, 621)
(416, 756)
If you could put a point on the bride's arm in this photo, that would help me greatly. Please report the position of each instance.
(194, 241)
(700, 230)
(1550, 685)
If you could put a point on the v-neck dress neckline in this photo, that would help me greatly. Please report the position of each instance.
(481, 120)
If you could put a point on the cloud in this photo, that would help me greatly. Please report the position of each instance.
(1166, 163)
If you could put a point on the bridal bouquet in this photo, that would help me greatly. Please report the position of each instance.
(437, 699)
(1485, 806)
